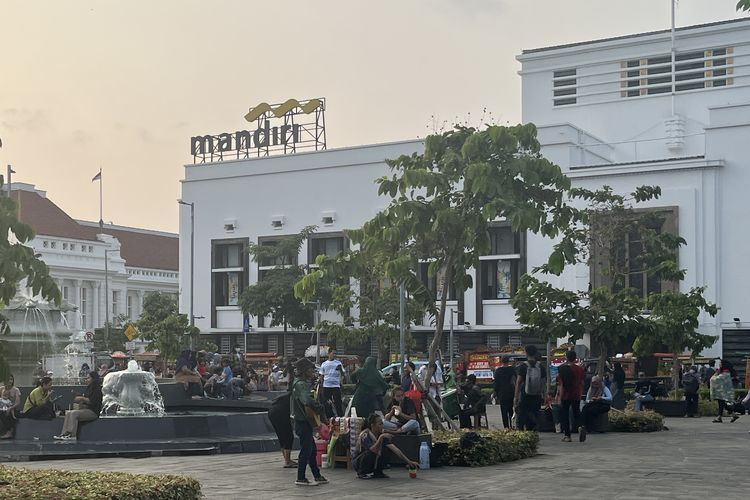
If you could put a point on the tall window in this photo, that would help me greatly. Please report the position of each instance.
(115, 300)
(330, 246)
(228, 273)
(434, 283)
(565, 87)
(130, 307)
(84, 308)
(500, 271)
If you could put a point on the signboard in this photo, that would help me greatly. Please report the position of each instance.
(479, 366)
(279, 128)
(233, 288)
(131, 332)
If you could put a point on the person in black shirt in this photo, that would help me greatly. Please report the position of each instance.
(473, 403)
(504, 386)
(90, 404)
(401, 417)
(530, 385)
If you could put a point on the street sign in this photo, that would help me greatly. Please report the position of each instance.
(246, 323)
(131, 332)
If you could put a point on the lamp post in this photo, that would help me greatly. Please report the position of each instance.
(192, 260)
(450, 340)
(317, 330)
(106, 294)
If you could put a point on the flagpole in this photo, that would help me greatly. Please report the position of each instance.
(101, 211)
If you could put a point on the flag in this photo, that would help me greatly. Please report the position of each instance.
(97, 177)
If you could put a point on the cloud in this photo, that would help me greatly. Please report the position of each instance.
(23, 120)
(82, 137)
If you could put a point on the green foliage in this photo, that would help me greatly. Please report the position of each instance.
(743, 5)
(494, 447)
(635, 421)
(597, 236)
(29, 484)
(163, 326)
(274, 294)
(442, 203)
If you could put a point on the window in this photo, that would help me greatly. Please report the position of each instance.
(115, 300)
(53, 244)
(278, 261)
(228, 273)
(130, 307)
(83, 308)
(289, 346)
(273, 344)
(515, 339)
(434, 283)
(693, 70)
(65, 292)
(493, 341)
(565, 88)
(499, 272)
(328, 246)
(448, 350)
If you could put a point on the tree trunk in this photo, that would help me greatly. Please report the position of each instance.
(437, 338)
(675, 374)
(602, 360)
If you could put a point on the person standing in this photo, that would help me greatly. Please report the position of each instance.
(529, 386)
(331, 370)
(569, 388)
(406, 378)
(691, 384)
(301, 402)
(89, 407)
(12, 395)
(618, 387)
(371, 386)
(278, 415)
(504, 387)
(722, 391)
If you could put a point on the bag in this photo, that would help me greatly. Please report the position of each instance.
(533, 383)
(416, 397)
(690, 383)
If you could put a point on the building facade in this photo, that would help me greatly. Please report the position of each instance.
(138, 261)
(619, 112)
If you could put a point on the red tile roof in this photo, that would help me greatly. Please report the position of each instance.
(139, 247)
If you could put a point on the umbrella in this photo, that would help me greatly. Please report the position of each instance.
(119, 355)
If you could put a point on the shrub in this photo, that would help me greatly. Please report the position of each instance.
(486, 446)
(28, 484)
(635, 421)
(708, 408)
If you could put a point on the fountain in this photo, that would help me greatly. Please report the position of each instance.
(133, 392)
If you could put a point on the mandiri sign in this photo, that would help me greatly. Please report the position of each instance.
(279, 128)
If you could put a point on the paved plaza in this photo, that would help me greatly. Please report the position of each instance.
(694, 459)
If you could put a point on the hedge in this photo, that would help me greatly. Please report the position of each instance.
(29, 484)
(486, 446)
(635, 421)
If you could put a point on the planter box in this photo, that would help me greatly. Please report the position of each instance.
(666, 407)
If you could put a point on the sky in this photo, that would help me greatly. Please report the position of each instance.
(122, 86)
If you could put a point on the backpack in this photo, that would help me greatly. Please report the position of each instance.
(690, 383)
(533, 383)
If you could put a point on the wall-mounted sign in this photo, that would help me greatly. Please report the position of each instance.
(279, 128)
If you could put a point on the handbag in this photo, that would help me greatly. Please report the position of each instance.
(416, 397)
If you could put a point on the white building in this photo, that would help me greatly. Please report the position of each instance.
(607, 113)
(138, 260)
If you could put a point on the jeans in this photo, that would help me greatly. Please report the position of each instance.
(412, 426)
(640, 398)
(566, 407)
(691, 404)
(506, 411)
(530, 406)
(333, 394)
(307, 451)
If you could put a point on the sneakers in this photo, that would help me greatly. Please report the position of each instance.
(363, 476)
(734, 418)
(321, 480)
(717, 420)
(582, 434)
(380, 475)
(304, 482)
(566, 439)
(64, 437)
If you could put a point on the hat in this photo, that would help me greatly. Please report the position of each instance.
(304, 364)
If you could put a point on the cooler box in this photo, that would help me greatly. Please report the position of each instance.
(450, 403)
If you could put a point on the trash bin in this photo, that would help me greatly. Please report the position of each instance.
(450, 403)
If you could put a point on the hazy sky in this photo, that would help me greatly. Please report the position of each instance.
(123, 85)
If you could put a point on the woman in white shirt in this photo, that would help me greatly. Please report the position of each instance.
(598, 401)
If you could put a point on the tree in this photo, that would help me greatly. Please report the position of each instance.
(674, 319)
(273, 295)
(743, 5)
(19, 265)
(617, 241)
(444, 200)
(376, 300)
(163, 326)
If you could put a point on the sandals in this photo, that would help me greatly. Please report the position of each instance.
(292, 465)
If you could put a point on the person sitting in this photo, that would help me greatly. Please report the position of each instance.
(643, 393)
(39, 405)
(202, 371)
(401, 417)
(212, 388)
(373, 450)
(103, 370)
(230, 389)
(84, 371)
(89, 407)
(474, 401)
(10, 399)
(186, 375)
(598, 401)
(274, 379)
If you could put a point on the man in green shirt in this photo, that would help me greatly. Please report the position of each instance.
(299, 402)
(38, 405)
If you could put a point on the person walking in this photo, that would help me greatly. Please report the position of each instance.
(690, 385)
(331, 370)
(569, 390)
(530, 383)
(722, 391)
(278, 415)
(301, 403)
(504, 387)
